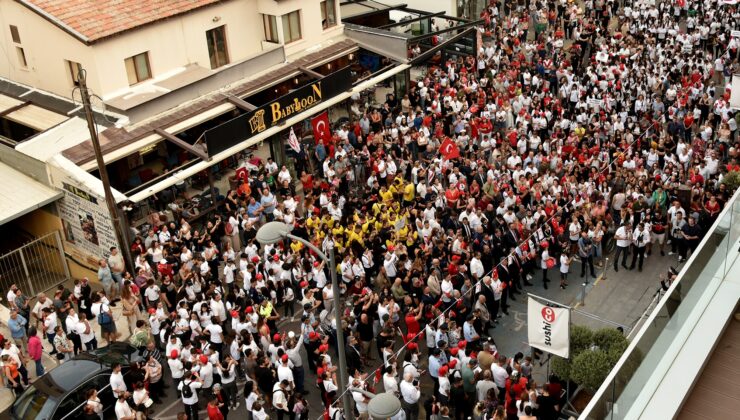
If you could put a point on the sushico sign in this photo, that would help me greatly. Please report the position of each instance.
(244, 126)
(549, 328)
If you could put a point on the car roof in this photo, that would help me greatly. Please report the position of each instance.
(68, 376)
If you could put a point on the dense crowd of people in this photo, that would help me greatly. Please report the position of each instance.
(494, 172)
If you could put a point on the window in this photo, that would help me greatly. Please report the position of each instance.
(21, 57)
(14, 34)
(292, 27)
(73, 71)
(217, 51)
(137, 68)
(328, 14)
(271, 31)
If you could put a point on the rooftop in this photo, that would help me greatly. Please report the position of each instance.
(92, 20)
(115, 138)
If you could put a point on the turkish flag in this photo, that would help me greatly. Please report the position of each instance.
(241, 173)
(449, 149)
(321, 128)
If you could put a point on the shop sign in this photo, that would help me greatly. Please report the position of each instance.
(276, 112)
(548, 328)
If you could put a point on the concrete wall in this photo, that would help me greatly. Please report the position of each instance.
(171, 43)
(42, 221)
(46, 47)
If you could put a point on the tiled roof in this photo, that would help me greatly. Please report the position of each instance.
(92, 20)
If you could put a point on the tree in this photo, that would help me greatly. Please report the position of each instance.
(732, 179)
(593, 354)
(590, 368)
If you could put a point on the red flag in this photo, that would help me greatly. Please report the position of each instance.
(449, 149)
(321, 129)
(241, 173)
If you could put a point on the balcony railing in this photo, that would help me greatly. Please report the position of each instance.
(628, 389)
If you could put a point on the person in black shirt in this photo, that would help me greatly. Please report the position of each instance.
(354, 358)
(691, 235)
(266, 376)
(365, 330)
(659, 226)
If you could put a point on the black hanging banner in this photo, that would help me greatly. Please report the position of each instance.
(245, 126)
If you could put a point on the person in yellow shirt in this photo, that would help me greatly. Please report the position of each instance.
(580, 131)
(296, 246)
(338, 230)
(355, 235)
(313, 222)
(385, 194)
(328, 221)
(409, 192)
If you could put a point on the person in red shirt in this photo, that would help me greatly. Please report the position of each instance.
(214, 409)
(412, 320)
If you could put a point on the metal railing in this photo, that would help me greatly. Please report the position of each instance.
(622, 395)
(36, 266)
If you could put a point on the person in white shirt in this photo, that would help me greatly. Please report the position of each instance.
(42, 303)
(485, 384)
(361, 400)
(390, 382)
(476, 267)
(189, 392)
(499, 374)
(389, 264)
(640, 238)
(123, 410)
(444, 385)
(228, 380)
(216, 336)
(176, 367)
(623, 235)
(410, 394)
(280, 399)
(117, 384)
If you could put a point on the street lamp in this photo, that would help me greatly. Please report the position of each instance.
(273, 232)
(382, 406)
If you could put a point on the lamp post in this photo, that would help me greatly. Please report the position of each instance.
(273, 232)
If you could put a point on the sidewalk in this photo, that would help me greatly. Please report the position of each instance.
(50, 362)
(622, 297)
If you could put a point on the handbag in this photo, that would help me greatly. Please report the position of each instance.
(103, 317)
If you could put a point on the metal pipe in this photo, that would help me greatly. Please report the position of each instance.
(343, 375)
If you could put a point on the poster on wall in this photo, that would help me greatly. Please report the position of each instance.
(87, 224)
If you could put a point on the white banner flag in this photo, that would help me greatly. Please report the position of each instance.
(293, 141)
(549, 328)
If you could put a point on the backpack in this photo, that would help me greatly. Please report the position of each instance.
(187, 392)
(103, 317)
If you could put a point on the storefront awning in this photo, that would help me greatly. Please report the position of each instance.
(192, 170)
(21, 194)
(380, 41)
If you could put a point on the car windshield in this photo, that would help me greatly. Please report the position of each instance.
(116, 352)
(32, 404)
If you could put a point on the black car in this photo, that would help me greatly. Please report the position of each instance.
(61, 393)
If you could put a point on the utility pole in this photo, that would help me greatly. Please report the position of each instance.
(110, 201)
